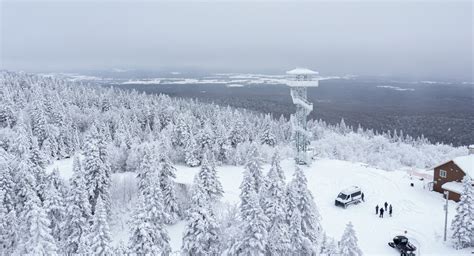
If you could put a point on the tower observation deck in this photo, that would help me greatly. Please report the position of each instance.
(299, 80)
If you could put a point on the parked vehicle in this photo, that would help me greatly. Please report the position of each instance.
(351, 195)
(402, 244)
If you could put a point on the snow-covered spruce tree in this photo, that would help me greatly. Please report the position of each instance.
(146, 168)
(120, 250)
(25, 182)
(300, 245)
(191, 152)
(254, 166)
(57, 181)
(206, 137)
(38, 121)
(146, 237)
(237, 134)
(208, 175)
(96, 168)
(157, 214)
(463, 222)
(35, 238)
(99, 238)
(37, 163)
(267, 136)
(7, 183)
(200, 234)
(246, 188)
(254, 237)
(299, 197)
(222, 143)
(55, 210)
(167, 184)
(348, 244)
(328, 245)
(181, 131)
(8, 227)
(274, 207)
(78, 212)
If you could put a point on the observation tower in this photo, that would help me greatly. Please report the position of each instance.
(299, 80)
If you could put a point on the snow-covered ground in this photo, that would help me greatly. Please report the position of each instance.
(415, 209)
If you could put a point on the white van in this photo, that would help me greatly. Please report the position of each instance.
(351, 195)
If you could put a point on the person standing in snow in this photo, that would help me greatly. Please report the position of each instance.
(390, 210)
(381, 212)
(362, 196)
(386, 205)
(377, 210)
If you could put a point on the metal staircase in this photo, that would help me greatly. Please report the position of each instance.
(301, 135)
(299, 79)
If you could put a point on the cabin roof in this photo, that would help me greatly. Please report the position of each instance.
(453, 186)
(301, 71)
(466, 163)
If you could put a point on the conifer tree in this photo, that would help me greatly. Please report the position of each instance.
(223, 146)
(167, 184)
(300, 245)
(200, 235)
(246, 188)
(37, 166)
(191, 152)
(99, 237)
(36, 238)
(463, 222)
(237, 133)
(301, 198)
(208, 175)
(25, 183)
(146, 237)
(7, 184)
(38, 121)
(254, 231)
(157, 214)
(348, 244)
(267, 136)
(254, 167)
(146, 168)
(78, 212)
(55, 210)
(328, 245)
(8, 227)
(121, 250)
(97, 169)
(274, 207)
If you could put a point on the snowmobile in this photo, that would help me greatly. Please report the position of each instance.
(401, 244)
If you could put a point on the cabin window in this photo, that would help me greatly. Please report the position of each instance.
(442, 173)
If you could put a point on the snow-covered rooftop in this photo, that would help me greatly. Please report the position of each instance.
(350, 190)
(453, 186)
(301, 71)
(466, 163)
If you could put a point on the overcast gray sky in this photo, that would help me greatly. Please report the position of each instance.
(416, 39)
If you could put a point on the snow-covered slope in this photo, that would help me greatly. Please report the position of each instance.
(415, 209)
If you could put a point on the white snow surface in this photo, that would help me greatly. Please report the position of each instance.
(415, 209)
(466, 163)
(151, 81)
(396, 88)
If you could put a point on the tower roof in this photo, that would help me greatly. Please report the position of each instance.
(301, 71)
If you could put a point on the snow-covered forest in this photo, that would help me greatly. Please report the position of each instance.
(108, 131)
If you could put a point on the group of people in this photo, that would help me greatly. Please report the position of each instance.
(382, 209)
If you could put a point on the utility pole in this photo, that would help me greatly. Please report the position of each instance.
(446, 193)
